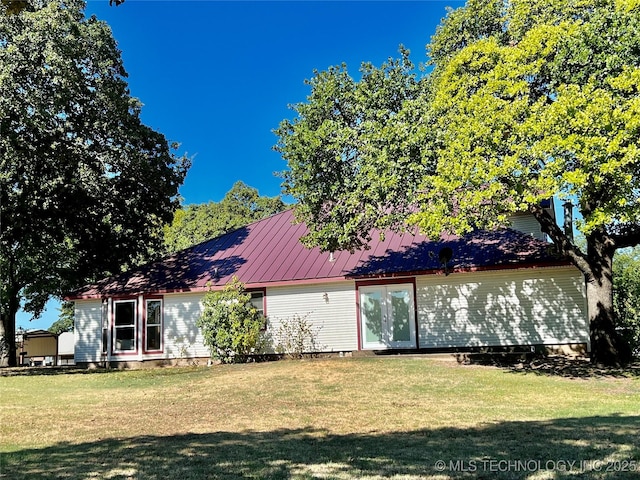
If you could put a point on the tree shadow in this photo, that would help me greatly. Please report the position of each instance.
(524, 309)
(159, 370)
(479, 249)
(182, 271)
(603, 447)
(552, 365)
(46, 371)
(471, 307)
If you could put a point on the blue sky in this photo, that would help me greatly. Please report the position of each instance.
(217, 76)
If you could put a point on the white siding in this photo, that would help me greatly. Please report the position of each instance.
(66, 343)
(528, 224)
(509, 307)
(331, 308)
(88, 331)
(182, 338)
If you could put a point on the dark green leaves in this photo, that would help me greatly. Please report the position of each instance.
(354, 153)
(85, 187)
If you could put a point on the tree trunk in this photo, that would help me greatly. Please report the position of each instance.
(8, 331)
(607, 346)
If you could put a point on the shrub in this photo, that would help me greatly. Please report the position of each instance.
(230, 325)
(626, 296)
(296, 336)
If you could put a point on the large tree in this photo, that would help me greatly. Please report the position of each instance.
(200, 222)
(526, 100)
(85, 187)
(354, 164)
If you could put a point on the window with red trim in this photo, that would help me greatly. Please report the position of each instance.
(124, 326)
(257, 300)
(153, 325)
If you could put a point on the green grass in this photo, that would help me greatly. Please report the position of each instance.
(367, 418)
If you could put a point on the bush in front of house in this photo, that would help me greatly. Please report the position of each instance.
(230, 325)
(296, 336)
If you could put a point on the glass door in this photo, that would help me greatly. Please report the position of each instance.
(372, 317)
(387, 316)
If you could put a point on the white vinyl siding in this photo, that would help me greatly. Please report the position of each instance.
(182, 338)
(508, 307)
(331, 308)
(88, 331)
(527, 224)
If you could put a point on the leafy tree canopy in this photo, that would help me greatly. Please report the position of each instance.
(525, 100)
(65, 322)
(85, 187)
(546, 106)
(198, 223)
(353, 163)
(17, 6)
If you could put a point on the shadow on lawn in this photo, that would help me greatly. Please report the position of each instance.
(560, 366)
(503, 450)
(45, 371)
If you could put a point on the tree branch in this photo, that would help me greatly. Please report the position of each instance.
(561, 241)
(630, 237)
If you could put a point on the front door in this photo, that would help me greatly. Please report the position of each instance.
(387, 316)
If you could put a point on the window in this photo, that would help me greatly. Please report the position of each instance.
(104, 314)
(125, 326)
(153, 322)
(257, 300)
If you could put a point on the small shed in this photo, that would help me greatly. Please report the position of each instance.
(37, 347)
(66, 344)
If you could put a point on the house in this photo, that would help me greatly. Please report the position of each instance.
(486, 289)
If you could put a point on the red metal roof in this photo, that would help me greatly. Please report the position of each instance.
(268, 252)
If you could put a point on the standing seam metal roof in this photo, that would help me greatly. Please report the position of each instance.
(269, 252)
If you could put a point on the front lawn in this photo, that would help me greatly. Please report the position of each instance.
(373, 418)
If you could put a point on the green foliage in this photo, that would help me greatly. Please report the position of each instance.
(198, 223)
(547, 106)
(85, 187)
(479, 19)
(12, 7)
(627, 295)
(353, 165)
(550, 110)
(296, 336)
(230, 325)
(65, 322)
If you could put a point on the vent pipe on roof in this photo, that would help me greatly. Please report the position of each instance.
(568, 219)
